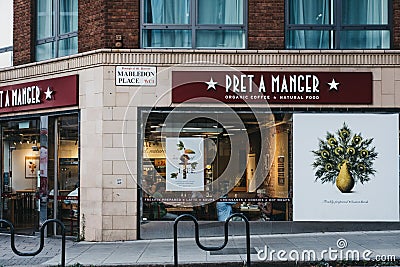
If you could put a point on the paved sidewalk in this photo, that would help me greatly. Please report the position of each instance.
(385, 244)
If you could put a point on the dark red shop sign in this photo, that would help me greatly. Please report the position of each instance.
(272, 87)
(51, 93)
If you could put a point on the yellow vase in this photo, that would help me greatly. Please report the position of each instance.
(344, 181)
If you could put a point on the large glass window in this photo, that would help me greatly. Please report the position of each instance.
(6, 33)
(194, 24)
(56, 28)
(64, 166)
(338, 24)
(20, 172)
(36, 162)
(205, 168)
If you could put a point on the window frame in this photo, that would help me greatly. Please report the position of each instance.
(337, 27)
(193, 26)
(57, 37)
(6, 49)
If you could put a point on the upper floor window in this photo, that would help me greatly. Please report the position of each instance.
(6, 33)
(56, 28)
(338, 24)
(194, 24)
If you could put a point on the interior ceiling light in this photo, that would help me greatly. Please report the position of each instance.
(243, 129)
(191, 128)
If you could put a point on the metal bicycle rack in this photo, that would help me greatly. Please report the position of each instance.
(196, 224)
(42, 228)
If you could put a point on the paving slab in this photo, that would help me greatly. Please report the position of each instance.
(157, 253)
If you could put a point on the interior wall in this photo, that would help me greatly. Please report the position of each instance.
(68, 174)
(19, 182)
(68, 149)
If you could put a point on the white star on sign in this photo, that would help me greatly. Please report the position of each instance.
(333, 85)
(48, 93)
(211, 84)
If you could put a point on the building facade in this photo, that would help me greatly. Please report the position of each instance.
(118, 116)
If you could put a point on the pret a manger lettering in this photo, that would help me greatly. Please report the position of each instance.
(278, 84)
(20, 97)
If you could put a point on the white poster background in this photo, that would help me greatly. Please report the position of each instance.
(194, 178)
(314, 201)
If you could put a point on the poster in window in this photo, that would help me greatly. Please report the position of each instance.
(43, 161)
(31, 167)
(345, 167)
(185, 164)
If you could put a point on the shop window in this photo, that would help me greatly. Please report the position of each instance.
(194, 168)
(20, 170)
(66, 146)
(40, 163)
(194, 24)
(338, 24)
(56, 28)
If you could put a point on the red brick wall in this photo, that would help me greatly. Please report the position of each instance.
(266, 29)
(91, 25)
(23, 32)
(396, 24)
(122, 17)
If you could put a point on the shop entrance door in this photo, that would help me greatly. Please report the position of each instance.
(64, 167)
(20, 170)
